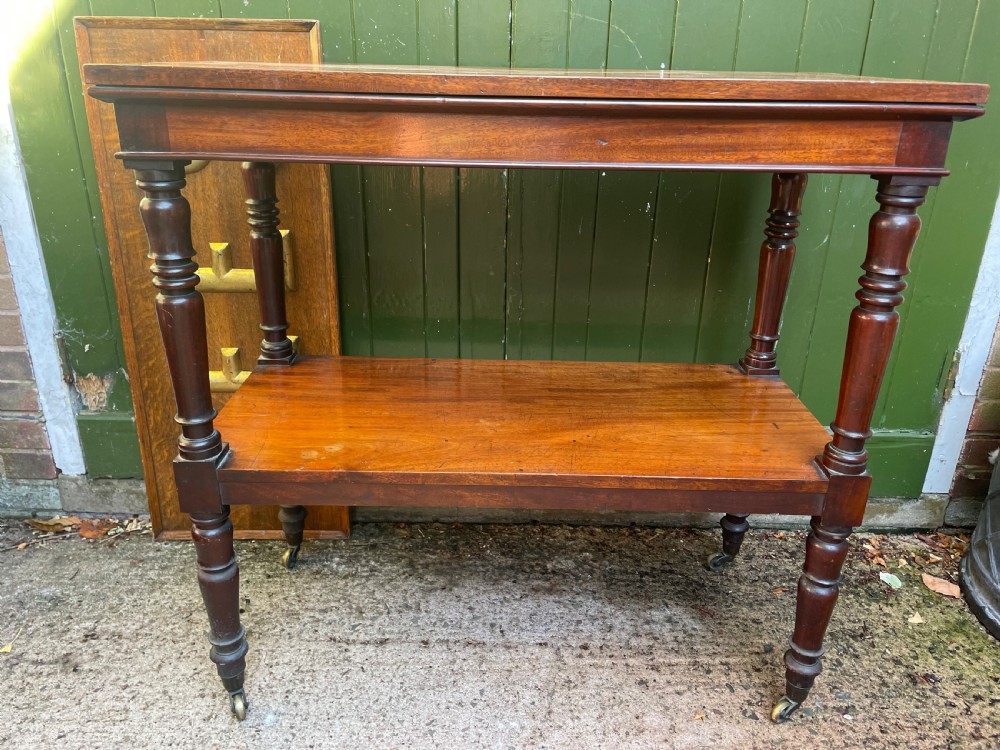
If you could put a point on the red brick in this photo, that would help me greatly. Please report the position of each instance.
(986, 417)
(18, 395)
(10, 330)
(28, 465)
(4, 265)
(975, 451)
(970, 486)
(8, 301)
(24, 433)
(15, 364)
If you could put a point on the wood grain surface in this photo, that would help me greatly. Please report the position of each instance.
(559, 424)
(470, 81)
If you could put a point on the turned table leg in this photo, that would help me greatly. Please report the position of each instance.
(269, 273)
(891, 235)
(180, 311)
(773, 271)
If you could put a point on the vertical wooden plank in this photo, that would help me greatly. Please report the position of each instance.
(622, 242)
(187, 8)
(770, 32)
(253, 8)
(586, 48)
(484, 33)
(336, 27)
(574, 261)
(847, 23)
(946, 259)
(441, 274)
(386, 33)
(483, 39)
(730, 285)
(395, 260)
(336, 20)
(623, 235)
(532, 242)
(437, 29)
(437, 32)
(685, 214)
(587, 43)
(705, 39)
(897, 43)
(539, 35)
(641, 35)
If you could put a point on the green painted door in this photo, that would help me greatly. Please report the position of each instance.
(580, 265)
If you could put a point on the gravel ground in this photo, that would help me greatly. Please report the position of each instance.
(464, 636)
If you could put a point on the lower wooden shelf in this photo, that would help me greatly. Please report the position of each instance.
(530, 434)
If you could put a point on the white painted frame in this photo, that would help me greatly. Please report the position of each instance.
(31, 286)
(973, 349)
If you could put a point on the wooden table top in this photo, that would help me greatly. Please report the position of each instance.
(503, 82)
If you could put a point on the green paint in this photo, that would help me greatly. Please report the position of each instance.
(483, 39)
(441, 273)
(577, 265)
(932, 321)
(335, 28)
(899, 462)
(110, 445)
(186, 8)
(574, 261)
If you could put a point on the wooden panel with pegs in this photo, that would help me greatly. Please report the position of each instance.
(217, 195)
(222, 277)
(232, 375)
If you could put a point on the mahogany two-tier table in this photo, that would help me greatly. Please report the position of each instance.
(730, 438)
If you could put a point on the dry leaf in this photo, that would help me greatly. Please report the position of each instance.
(22, 545)
(96, 528)
(57, 524)
(7, 649)
(941, 586)
(933, 559)
(880, 561)
(778, 591)
(916, 619)
(700, 716)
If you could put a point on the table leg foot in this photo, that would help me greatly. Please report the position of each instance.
(293, 521)
(734, 528)
(783, 709)
(238, 703)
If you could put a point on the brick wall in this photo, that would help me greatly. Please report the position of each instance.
(972, 476)
(24, 444)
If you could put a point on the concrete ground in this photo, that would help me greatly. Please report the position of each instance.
(466, 637)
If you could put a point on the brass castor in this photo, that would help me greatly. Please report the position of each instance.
(718, 561)
(290, 557)
(238, 705)
(783, 709)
